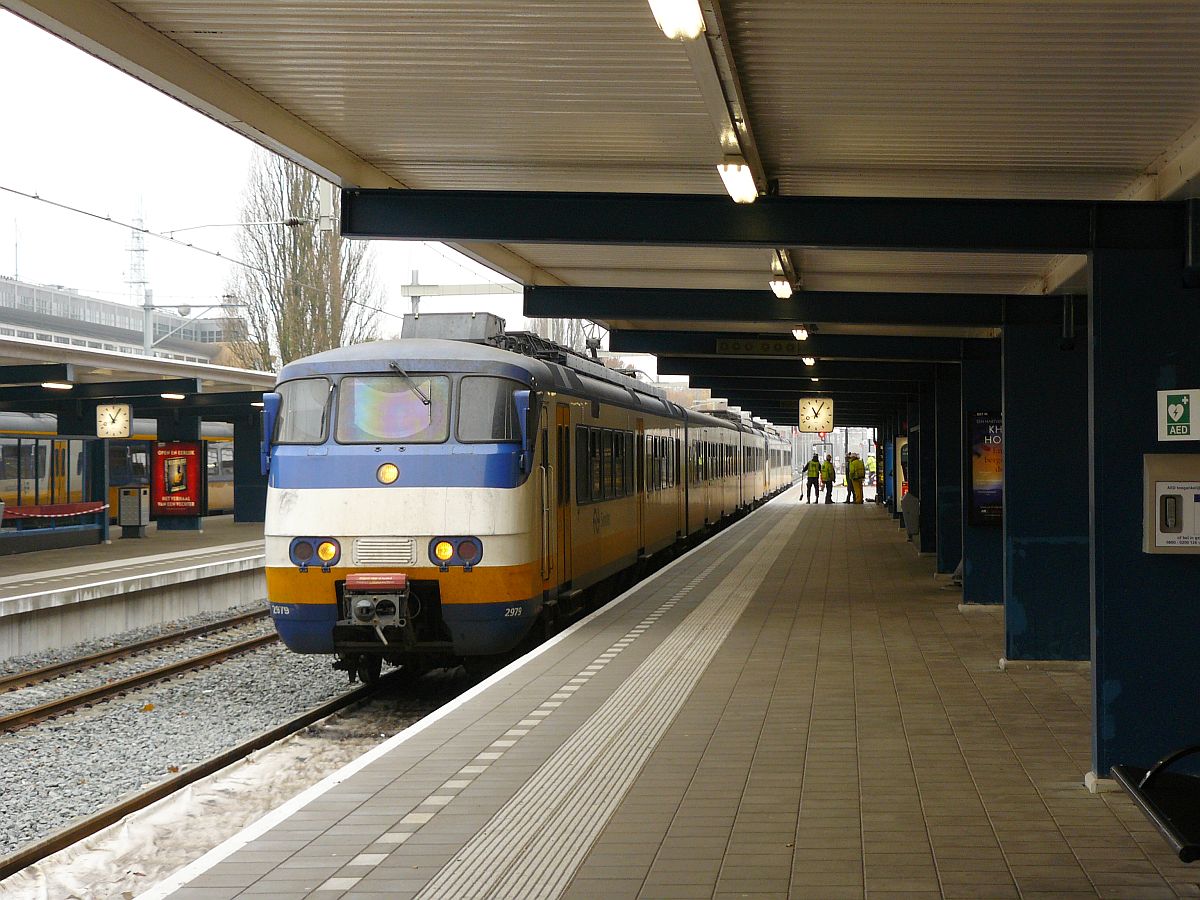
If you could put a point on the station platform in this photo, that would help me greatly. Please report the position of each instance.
(797, 708)
(53, 598)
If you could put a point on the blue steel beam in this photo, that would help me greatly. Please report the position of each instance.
(36, 373)
(821, 307)
(794, 368)
(876, 223)
(803, 384)
(824, 346)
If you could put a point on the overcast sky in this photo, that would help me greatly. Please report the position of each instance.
(77, 131)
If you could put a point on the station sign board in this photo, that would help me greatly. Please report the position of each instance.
(177, 482)
(757, 347)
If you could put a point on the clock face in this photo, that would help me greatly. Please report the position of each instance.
(816, 414)
(113, 420)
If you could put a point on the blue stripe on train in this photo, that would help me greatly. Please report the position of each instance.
(305, 627)
(477, 629)
(434, 465)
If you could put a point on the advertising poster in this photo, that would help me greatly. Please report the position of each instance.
(176, 486)
(987, 469)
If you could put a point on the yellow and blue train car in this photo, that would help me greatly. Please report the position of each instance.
(431, 501)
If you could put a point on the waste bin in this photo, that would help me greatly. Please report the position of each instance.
(133, 511)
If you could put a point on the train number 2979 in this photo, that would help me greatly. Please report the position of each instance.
(513, 612)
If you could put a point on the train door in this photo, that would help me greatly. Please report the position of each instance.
(544, 474)
(639, 483)
(562, 515)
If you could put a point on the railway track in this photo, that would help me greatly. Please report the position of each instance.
(34, 714)
(38, 850)
(71, 666)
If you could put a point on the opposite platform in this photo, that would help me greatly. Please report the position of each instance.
(795, 709)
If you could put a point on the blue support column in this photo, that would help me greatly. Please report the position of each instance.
(181, 426)
(1143, 327)
(983, 547)
(1045, 483)
(249, 484)
(947, 399)
(923, 467)
(96, 482)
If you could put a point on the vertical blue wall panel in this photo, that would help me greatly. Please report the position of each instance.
(948, 391)
(1046, 612)
(1144, 328)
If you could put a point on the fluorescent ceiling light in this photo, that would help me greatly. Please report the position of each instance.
(782, 288)
(814, 379)
(739, 181)
(257, 403)
(678, 18)
(810, 361)
(57, 386)
(800, 334)
(171, 396)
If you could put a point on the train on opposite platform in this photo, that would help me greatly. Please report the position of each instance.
(433, 501)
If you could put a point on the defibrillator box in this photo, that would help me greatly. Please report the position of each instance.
(1171, 504)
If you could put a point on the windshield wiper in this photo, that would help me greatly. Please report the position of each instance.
(409, 379)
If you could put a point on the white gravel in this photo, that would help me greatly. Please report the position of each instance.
(78, 763)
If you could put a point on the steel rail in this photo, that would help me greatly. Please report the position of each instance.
(37, 676)
(89, 825)
(20, 719)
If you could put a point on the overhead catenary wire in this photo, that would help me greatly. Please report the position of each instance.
(166, 237)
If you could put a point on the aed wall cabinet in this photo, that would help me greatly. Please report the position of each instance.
(1171, 505)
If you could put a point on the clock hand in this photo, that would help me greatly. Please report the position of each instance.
(112, 418)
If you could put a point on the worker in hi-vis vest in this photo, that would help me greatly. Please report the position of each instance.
(828, 475)
(858, 471)
(813, 472)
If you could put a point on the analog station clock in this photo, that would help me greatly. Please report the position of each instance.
(816, 414)
(113, 420)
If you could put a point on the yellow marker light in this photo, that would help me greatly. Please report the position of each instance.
(387, 473)
(327, 550)
(443, 550)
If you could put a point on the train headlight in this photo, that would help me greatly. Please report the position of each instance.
(302, 551)
(387, 473)
(327, 551)
(445, 552)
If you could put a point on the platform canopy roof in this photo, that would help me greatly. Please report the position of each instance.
(1016, 99)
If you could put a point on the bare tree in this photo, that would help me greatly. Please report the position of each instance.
(568, 332)
(304, 290)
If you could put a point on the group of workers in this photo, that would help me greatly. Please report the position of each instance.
(823, 475)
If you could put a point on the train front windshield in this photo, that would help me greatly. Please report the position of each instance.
(395, 409)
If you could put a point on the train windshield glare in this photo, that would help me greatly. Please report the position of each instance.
(390, 409)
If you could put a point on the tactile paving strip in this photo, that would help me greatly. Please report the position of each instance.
(533, 845)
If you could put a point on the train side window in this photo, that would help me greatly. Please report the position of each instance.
(213, 465)
(582, 481)
(606, 462)
(639, 467)
(10, 459)
(618, 440)
(594, 462)
(225, 466)
(629, 489)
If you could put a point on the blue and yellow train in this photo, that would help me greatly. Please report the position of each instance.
(432, 501)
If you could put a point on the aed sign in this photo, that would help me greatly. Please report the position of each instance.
(1177, 417)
